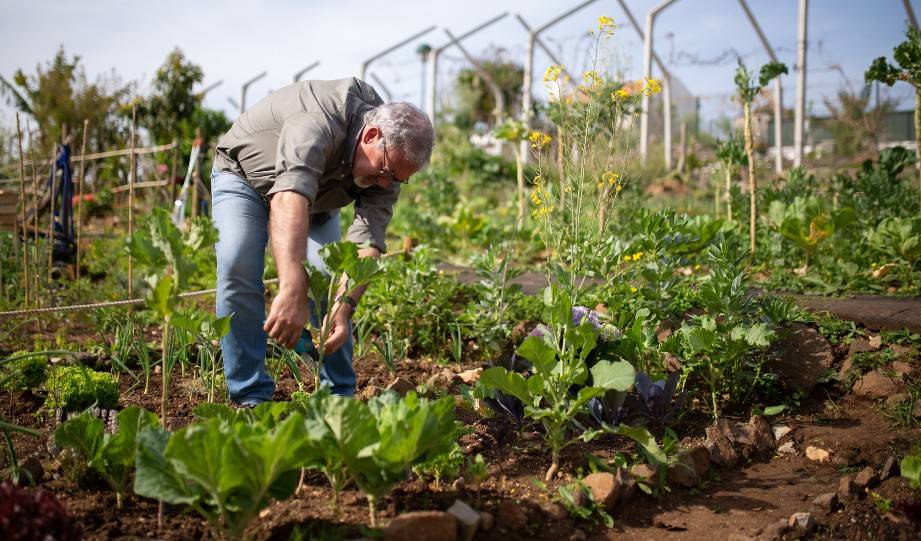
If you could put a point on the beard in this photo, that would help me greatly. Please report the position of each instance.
(364, 182)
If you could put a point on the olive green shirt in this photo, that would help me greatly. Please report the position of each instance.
(302, 138)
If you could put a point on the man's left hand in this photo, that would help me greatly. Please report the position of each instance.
(338, 329)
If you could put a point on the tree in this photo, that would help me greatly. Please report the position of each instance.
(853, 122)
(59, 95)
(747, 88)
(475, 101)
(908, 57)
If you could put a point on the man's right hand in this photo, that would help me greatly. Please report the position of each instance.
(288, 316)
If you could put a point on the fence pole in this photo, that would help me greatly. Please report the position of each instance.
(86, 124)
(799, 111)
(171, 187)
(22, 201)
(131, 173)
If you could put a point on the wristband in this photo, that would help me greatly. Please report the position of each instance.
(351, 302)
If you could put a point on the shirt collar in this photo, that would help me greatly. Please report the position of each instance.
(351, 139)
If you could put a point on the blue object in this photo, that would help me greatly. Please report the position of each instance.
(61, 204)
(305, 343)
(241, 218)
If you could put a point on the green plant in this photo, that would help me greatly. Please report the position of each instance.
(110, 454)
(74, 388)
(910, 467)
(128, 341)
(23, 371)
(14, 470)
(226, 469)
(732, 156)
(808, 222)
(558, 358)
(747, 88)
(579, 501)
(204, 330)
(376, 443)
(488, 318)
(167, 258)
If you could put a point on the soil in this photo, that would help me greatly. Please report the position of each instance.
(738, 502)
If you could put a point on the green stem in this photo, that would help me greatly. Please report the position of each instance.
(164, 391)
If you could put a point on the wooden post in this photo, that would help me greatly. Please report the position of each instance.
(171, 187)
(35, 251)
(23, 204)
(131, 172)
(196, 180)
(86, 125)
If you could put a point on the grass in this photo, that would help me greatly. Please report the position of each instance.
(901, 415)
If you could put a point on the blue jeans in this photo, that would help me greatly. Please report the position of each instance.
(242, 220)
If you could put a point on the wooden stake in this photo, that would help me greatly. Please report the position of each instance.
(23, 203)
(131, 172)
(86, 125)
(35, 199)
(171, 187)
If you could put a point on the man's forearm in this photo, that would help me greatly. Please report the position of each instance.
(289, 224)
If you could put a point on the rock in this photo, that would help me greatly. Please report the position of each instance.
(459, 484)
(845, 488)
(916, 411)
(890, 468)
(877, 384)
(858, 345)
(701, 458)
(422, 526)
(33, 466)
(604, 487)
(775, 530)
(441, 381)
(682, 472)
(906, 370)
(722, 452)
(780, 431)
(900, 351)
(401, 386)
(468, 520)
(846, 366)
(645, 473)
(577, 535)
(512, 516)
(761, 436)
(803, 522)
(896, 399)
(369, 392)
(556, 511)
(866, 478)
(805, 357)
(827, 501)
(817, 454)
(627, 484)
(487, 521)
(846, 457)
(875, 342)
(470, 376)
(787, 449)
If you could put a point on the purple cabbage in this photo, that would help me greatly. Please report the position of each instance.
(581, 313)
(650, 402)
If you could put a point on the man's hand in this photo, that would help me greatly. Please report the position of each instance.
(287, 316)
(289, 223)
(338, 329)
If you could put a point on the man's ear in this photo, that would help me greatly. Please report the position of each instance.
(371, 134)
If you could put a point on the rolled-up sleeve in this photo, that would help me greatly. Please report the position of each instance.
(305, 144)
(373, 211)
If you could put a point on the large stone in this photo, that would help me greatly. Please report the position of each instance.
(877, 384)
(890, 468)
(468, 520)
(512, 516)
(401, 386)
(682, 472)
(845, 488)
(422, 526)
(858, 345)
(817, 454)
(803, 522)
(904, 369)
(775, 530)
(806, 356)
(645, 473)
(787, 449)
(896, 399)
(701, 458)
(604, 487)
(866, 478)
(719, 443)
(826, 502)
(780, 431)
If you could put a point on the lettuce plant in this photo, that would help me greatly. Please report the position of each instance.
(376, 443)
(226, 469)
(73, 388)
(110, 454)
(558, 360)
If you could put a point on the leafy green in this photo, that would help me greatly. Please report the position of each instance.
(111, 455)
(74, 388)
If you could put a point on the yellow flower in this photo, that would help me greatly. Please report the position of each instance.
(538, 139)
(619, 95)
(553, 73)
(637, 256)
(651, 86)
(632, 289)
(606, 25)
(591, 80)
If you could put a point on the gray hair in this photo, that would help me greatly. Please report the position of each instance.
(405, 127)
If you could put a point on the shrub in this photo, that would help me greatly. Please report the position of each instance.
(33, 514)
(23, 371)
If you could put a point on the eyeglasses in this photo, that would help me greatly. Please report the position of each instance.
(385, 171)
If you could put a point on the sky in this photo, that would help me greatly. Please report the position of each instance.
(234, 40)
